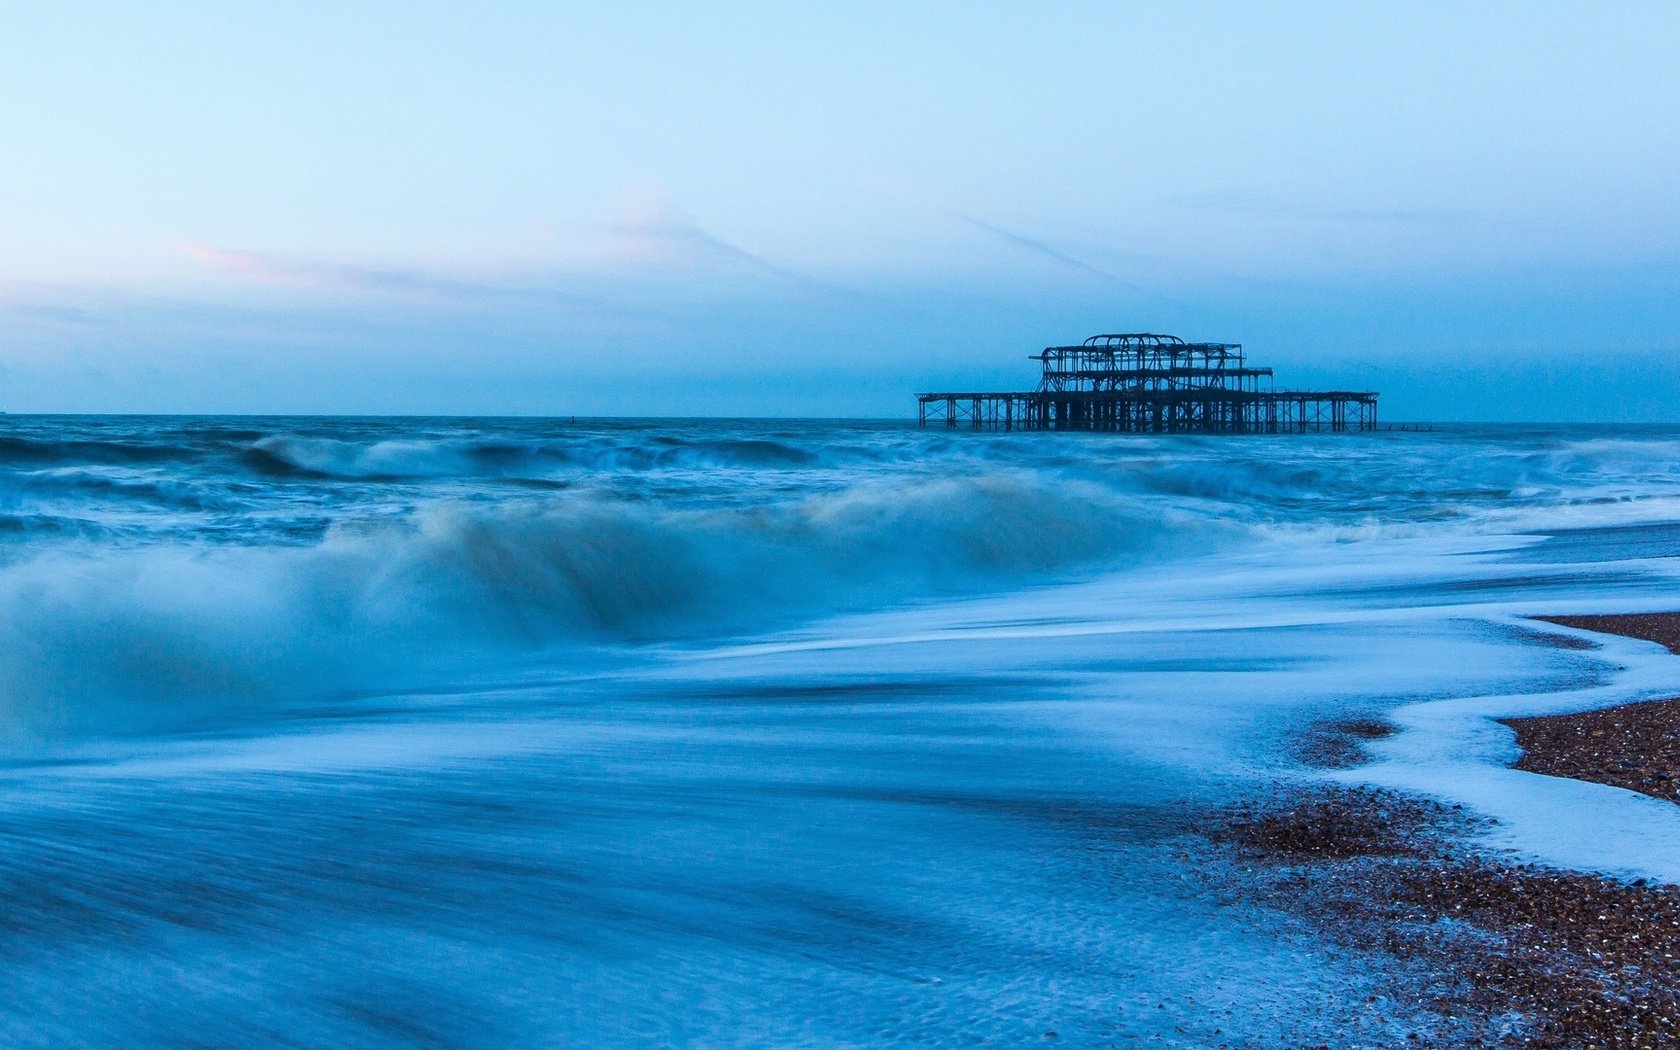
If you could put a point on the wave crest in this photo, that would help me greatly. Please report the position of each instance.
(96, 641)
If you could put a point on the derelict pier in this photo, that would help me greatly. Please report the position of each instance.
(1143, 383)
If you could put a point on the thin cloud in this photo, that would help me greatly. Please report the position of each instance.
(1048, 251)
(276, 270)
(652, 240)
(1038, 247)
(902, 193)
(1235, 203)
(655, 229)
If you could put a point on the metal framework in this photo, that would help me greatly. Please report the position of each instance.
(1145, 383)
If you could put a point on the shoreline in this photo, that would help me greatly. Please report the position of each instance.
(1634, 745)
(1498, 952)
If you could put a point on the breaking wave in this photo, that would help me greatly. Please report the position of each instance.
(101, 640)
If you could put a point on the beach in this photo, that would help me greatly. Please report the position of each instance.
(1634, 746)
(1503, 952)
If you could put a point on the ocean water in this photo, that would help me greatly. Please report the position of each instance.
(438, 732)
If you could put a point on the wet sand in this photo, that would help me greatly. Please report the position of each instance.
(1502, 954)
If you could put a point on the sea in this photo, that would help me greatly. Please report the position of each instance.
(405, 732)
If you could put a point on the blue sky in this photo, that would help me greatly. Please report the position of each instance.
(819, 208)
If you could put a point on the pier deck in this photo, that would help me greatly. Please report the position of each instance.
(1152, 384)
(1157, 412)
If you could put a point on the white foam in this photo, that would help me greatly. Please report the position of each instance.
(1455, 750)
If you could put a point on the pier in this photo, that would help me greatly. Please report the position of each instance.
(1143, 383)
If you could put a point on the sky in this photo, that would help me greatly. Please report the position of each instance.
(818, 209)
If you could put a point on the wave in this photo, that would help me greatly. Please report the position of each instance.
(93, 642)
(23, 451)
(343, 453)
(78, 486)
(322, 458)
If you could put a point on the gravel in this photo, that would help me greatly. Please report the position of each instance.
(1503, 954)
(1635, 746)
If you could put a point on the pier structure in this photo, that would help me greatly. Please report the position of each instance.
(1146, 383)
